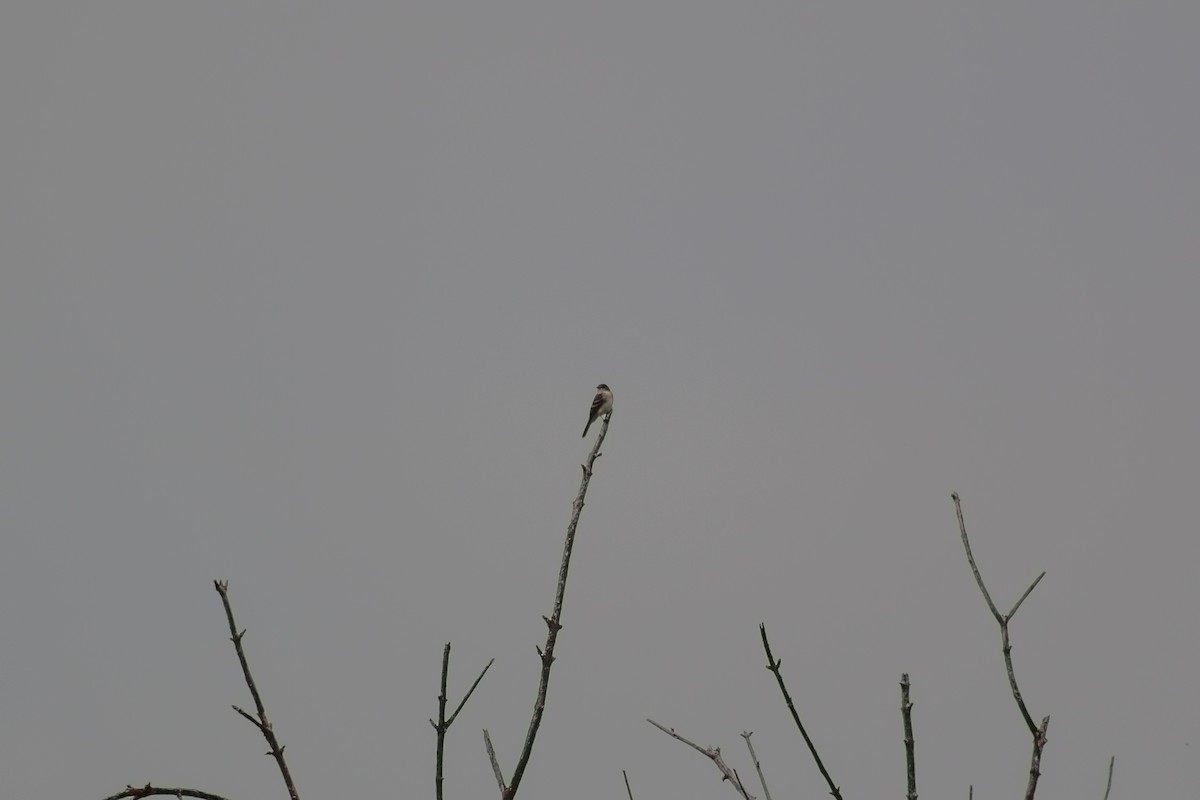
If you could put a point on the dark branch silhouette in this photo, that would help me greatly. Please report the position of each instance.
(138, 792)
(1038, 732)
(629, 791)
(553, 626)
(909, 756)
(261, 722)
(1108, 786)
(714, 753)
(443, 724)
(774, 666)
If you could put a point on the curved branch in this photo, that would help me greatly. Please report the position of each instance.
(138, 792)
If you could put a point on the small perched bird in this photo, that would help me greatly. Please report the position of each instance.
(601, 405)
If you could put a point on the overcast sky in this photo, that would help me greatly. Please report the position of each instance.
(313, 297)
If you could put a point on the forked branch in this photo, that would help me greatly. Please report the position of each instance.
(443, 724)
(1038, 732)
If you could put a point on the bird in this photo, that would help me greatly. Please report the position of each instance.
(602, 404)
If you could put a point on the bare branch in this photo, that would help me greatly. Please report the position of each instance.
(629, 791)
(491, 751)
(713, 753)
(443, 724)
(758, 767)
(1032, 586)
(262, 723)
(1035, 761)
(470, 692)
(1107, 788)
(137, 792)
(909, 756)
(1037, 732)
(553, 624)
(774, 665)
(962, 526)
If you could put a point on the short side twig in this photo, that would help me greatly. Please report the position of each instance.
(909, 756)
(774, 666)
(1108, 786)
(443, 724)
(1038, 732)
(263, 725)
(491, 751)
(629, 791)
(553, 625)
(138, 792)
(714, 753)
(757, 766)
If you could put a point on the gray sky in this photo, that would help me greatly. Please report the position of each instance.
(313, 297)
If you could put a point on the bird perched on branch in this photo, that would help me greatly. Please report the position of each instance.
(601, 405)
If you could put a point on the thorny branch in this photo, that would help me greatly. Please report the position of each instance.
(263, 725)
(1038, 732)
(553, 626)
(713, 753)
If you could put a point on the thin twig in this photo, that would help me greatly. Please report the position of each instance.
(1108, 787)
(774, 666)
(713, 753)
(491, 751)
(971, 791)
(629, 791)
(553, 625)
(443, 724)
(758, 767)
(909, 756)
(1038, 732)
(138, 792)
(263, 725)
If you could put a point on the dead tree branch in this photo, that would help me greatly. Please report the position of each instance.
(713, 753)
(261, 722)
(629, 791)
(1108, 787)
(138, 792)
(443, 724)
(774, 666)
(553, 626)
(757, 766)
(1038, 732)
(909, 756)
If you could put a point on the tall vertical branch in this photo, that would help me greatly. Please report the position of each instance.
(774, 666)
(260, 722)
(553, 626)
(443, 724)
(909, 743)
(1038, 732)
